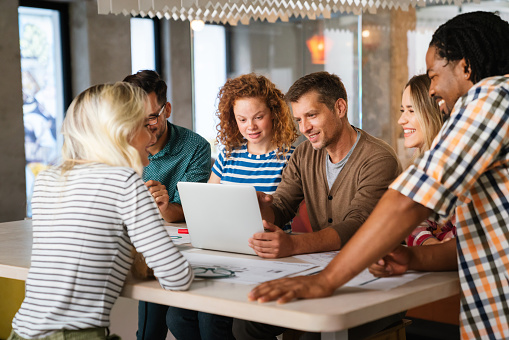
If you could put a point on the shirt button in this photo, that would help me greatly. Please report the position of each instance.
(330, 197)
(330, 220)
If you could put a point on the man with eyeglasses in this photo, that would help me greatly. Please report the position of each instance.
(178, 155)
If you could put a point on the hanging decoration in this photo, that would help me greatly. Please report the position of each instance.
(242, 11)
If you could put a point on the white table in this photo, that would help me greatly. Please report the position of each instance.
(332, 316)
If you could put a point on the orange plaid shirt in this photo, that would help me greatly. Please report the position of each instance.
(468, 170)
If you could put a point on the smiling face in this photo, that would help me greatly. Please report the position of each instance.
(449, 80)
(160, 130)
(414, 137)
(320, 125)
(254, 121)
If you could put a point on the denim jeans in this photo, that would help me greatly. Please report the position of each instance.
(187, 324)
(154, 321)
(151, 321)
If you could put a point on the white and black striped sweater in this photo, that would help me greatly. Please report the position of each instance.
(83, 226)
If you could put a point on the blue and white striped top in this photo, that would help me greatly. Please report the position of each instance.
(262, 171)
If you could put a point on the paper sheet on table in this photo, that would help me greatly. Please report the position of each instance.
(176, 237)
(365, 279)
(247, 271)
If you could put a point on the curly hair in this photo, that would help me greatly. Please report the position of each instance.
(481, 38)
(254, 86)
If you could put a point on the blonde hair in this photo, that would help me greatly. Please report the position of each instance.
(100, 123)
(426, 110)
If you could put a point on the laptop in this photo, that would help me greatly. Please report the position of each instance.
(221, 216)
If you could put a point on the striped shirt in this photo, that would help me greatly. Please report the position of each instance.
(83, 226)
(261, 171)
(468, 169)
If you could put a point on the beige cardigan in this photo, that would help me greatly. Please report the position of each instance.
(372, 166)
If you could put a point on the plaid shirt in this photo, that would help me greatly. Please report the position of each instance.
(468, 170)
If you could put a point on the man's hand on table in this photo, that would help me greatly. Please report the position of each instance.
(287, 289)
(394, 263)
(272, 244)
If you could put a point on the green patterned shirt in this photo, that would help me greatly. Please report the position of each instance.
(185, 158)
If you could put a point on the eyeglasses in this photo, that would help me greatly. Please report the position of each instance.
(153, 120)
(212, 272)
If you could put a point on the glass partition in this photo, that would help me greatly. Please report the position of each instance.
(281, 51)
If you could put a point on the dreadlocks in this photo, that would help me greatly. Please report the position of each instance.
(481, 38)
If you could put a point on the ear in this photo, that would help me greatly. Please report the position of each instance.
(467, 71)
(167, 110)
(341, 107)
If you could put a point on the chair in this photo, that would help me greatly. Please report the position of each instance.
(300, 223)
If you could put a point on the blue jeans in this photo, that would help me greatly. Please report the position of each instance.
(188, 324)
(151, 321)
(154, 321)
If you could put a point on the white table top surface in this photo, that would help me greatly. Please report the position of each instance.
(348, 307)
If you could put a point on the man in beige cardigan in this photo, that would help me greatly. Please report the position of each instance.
(340, 171)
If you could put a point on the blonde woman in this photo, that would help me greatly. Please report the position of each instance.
(421, 121)
(420, 118)
(87, 213)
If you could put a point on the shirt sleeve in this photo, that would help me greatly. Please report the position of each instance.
(149, 237)
(467, 146)
(198, 169)
(420, 234)
(289, 192)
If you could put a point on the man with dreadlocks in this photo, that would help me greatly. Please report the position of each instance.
(466, 171)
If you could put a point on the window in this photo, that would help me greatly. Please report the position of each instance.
(143, 50)
(209, 74)
(43, 90)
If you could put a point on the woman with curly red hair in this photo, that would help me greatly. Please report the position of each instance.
(256, 130)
